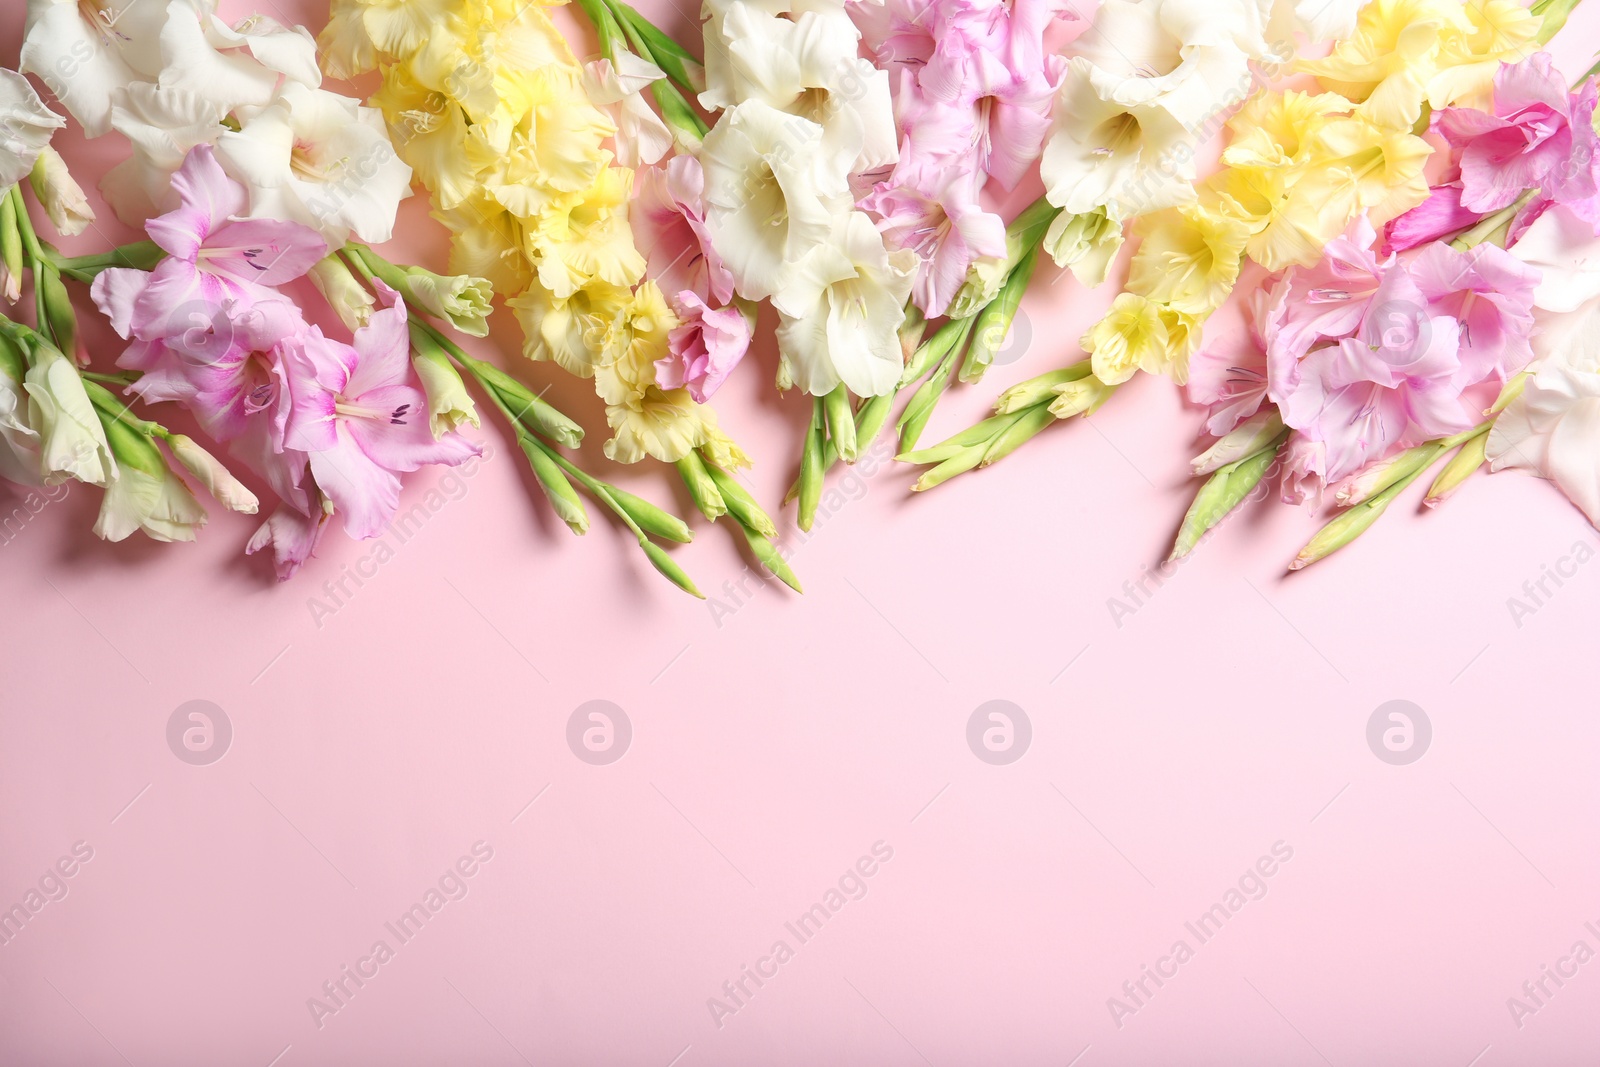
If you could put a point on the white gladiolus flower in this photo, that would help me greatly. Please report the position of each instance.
(840, 314)
(1553, 427)
(26, 127)
(809, 66)
(1154, 79)
(87, 50)
(766, 202)
(1319, 20)
(237, 65)
(318, 158)
(72, 441)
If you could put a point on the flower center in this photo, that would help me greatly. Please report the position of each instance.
(1117, 134)
(397, 417)
(305, 162)
(815, 104)
(102, 19)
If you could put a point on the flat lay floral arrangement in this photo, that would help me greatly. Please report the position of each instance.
(1415, 183)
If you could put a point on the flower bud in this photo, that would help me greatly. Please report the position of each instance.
(1081, 397)
(984, 279)
(350, 300)
(145, 494)
(463, 300)
(1040, 390)
(450, 406)
(1463, 465)
(218, 480)
(11, 260)
(1085, 244)
(702, 490)
(72, 441)
(1377, 477)
(61, 196)
(1248, 438)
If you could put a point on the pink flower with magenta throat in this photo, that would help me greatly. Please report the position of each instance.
(362, 417)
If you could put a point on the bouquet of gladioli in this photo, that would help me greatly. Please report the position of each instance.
(846, 162)
(247, 175)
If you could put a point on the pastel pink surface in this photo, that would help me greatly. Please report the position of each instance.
(380, 731)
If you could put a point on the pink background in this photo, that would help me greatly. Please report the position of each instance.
(773, 746)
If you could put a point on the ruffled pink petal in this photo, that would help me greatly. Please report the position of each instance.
(208, 198)
(292, 537)
(264, 251)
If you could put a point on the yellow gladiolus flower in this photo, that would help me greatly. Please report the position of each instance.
(486, 241)
(586, 238)
(1499, 31)
(1141, 334)
(1278, 129)
(577, 331)
(428, 130)
(1386, 165)
(1188, 257)
(1407, 52)
(1387, 64)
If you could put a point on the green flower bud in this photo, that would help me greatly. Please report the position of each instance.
(558, 490)
(1080, 397)
(1040, 390)
(772, 558)
(741, 505)
(702, 490)
(1463, 465)
(841, 422)
(1222, 492)
(669, 567)
(11, 258)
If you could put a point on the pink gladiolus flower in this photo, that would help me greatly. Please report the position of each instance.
(948, 231)
(1304, 465)
(205, 324)
(1364, 357)
(705, 348)
(991, 58)
(360, 414)
(1539, 136)
(901, 35)
(1325, 302)
(213, 258)
(1490, 293)
(668, 219)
